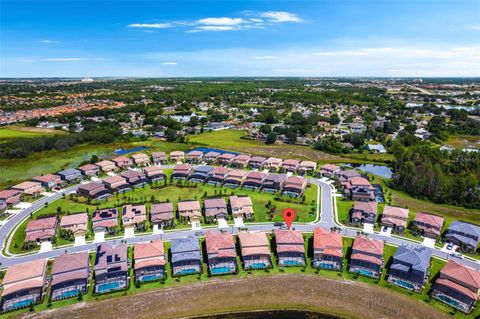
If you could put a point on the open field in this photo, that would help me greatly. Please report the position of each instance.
(18, 170)
(308, 292)
(462, 141)
(15, 131)
(233, 140)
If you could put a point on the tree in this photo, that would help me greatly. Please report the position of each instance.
(271, 138)
(334, 119)
(171, 135)
(265, 129)
(94, 159)
(291, 137)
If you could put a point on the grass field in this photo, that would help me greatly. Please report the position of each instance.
(388, 300)
(18, 170)
(306, 211)
(462, 141)
(234, 140)
(15, 131)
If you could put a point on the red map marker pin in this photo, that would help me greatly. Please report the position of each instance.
(288, 216)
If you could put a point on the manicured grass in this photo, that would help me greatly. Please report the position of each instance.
(17, 170)
(305, 208)
(343, 210)
(16, 131)
(235, 140)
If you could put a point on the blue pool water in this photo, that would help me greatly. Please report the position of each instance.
(208, 149)
(122, 151)
(366, 273)
(404, 284)
(22, 304)
(220, 270)
(150, 277)
(292, 263)
(187, 271)
(70, 293)
(325, 266)
(449, 301)
(258, 266)
(108, 287)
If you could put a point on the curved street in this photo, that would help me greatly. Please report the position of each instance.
(325, 212)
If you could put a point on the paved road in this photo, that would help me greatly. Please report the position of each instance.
(327, 220)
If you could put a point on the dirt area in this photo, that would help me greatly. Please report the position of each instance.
(307, 292)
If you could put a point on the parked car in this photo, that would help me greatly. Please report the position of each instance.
(449, 246)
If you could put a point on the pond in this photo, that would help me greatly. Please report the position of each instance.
(274, 314)
(380, 170)
(205, 150)
(122, 151)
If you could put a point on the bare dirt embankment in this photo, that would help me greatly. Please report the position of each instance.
(343, 298)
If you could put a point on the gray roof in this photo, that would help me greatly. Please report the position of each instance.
(69, 171)
(466, 228)
(278, 178)
(186, 248)
(202, 169)
(406, 258)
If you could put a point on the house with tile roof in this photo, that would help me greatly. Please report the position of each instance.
(23, 285)
(76, 223)
(159, 158)
(134, 216)
(135, 178)
(222, 255)
(428, 225)
(149, 261)
(240, 161)
(89, 170)
(194, 157)
(273, 183)
(465, 235)
(255, 250)
(211, 157)
(71, 175)
(42, 229)
(190, 210)
(177, 156)
(225, 158)
(186, 256)
(111, 268)
(290, 248)
(328, 170)
(235, 178)
(107, 166)
(162, 214)
(200, 173)
(241, 206)
(181, 171)
(11, 196)
(457, 286)
(327, 249)
(116, 184)
(306, 167)
(70, 275)
(32, 189)
(105, 220)
(290, 165)
(294, 186)
(367, 257)
(364, 212)
(93, 190)
(49, 180)
(254, 180)
(217, 175)
(215, 208)
(122, 162)
(272, 164)
(395, 218)
(257, 162)
(409, 268)
(154, 173)
(141, 159)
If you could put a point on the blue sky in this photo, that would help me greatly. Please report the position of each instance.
(239, 38)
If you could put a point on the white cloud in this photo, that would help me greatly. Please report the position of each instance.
(151, 25)
(280, 16)
(169, 63)
(224, 21)
(354, 52)
(214, 28)
(49, 41)
(71, 59)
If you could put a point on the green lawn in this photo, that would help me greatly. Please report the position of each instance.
(305, 208)
(16, 131)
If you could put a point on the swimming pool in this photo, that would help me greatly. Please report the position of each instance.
(188, 271)
(292, 263)
(150, 277)
(325, 266)
(366, 273)
(257, 266)
(403, 284)
(122, 151)
(22, 304)
(220, 270)
(108, 287)
(449, 301)
(69, 293)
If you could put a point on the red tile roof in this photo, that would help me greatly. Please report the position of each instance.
(220, 243)
(368, 245)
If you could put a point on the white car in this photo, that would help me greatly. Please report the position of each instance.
(455, 254)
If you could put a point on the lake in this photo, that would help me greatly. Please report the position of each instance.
(274, 314)
(380, 170)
